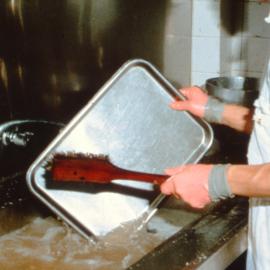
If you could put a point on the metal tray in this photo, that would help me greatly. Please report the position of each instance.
(130, 121)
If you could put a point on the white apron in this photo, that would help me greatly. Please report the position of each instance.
(259, 208)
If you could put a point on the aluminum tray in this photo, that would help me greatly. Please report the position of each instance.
(130, 121)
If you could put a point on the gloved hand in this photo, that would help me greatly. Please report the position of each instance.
(200, 104)
(197, 185)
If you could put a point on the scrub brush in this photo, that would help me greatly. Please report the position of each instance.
(73, 167)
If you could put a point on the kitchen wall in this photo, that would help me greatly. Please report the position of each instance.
(253, 41)
(55, 55)
(177, 42)
(209, 38)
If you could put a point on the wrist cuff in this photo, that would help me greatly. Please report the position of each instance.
(213, 110)
(218, 187)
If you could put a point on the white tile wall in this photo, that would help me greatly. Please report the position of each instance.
(236, 55)
(253, 21)
(243, 53)
(255, 39)
(205, 54)
(226, 56)
(205, 40)
(177, 44)
(177, 59)
(197, 47)
(255, 53)
(206, 18)
(179, 18)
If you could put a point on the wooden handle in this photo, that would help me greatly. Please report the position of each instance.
(156, 179)
(96, 170)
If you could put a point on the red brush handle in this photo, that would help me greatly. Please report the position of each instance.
(157, 179)
(96, 170)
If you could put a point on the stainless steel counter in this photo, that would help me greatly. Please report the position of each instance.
(213, 241)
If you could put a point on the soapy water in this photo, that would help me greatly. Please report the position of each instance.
(46, 243)
(36, 242)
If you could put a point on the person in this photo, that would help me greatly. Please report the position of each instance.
(199, 184)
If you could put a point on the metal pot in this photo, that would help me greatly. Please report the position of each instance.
(237, 89)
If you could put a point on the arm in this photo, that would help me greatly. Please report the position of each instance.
(249, 180)
(202, 183)
(199, 184)
(237, 117)
(202, 105)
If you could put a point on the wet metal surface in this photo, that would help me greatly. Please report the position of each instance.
(33, 240)
(195, 243)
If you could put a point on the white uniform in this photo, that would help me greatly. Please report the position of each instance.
(259, 208)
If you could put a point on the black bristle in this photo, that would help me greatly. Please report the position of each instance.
(73, 154)
(47, 164)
